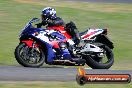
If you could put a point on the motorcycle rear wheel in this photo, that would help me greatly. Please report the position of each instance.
(25, 60)
(93, 63)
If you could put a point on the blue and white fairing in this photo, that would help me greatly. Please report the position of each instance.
(43, 36)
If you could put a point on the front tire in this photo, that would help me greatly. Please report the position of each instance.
(27, 58)
(93, 63)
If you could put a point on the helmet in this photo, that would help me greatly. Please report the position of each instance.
(48, 13)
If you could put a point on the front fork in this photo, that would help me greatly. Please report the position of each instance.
(32, 44)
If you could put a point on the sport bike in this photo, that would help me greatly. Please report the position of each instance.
(54, 46)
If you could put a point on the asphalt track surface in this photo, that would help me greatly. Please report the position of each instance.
(14, 73)
(104, 1)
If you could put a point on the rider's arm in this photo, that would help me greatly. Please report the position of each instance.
(43, 23)
(57, 22)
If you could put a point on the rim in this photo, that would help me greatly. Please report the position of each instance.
(30, 55)
(104, 58)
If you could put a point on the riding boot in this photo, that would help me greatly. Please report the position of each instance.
(78, 40)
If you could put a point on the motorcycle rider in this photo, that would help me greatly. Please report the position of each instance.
(49, 19)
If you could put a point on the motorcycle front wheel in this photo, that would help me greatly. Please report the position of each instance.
(96, 62)
(29, 56)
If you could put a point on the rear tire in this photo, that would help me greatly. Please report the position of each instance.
(96, 65)
(21, 60)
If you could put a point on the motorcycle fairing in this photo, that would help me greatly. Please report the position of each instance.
(61, 29)
(43, 39)
(43, 36)
(91, 33)
(49, 48)
(49, 44)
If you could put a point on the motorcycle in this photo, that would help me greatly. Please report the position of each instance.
(54, 46)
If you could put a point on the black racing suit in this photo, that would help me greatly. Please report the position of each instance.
(72, 30)
(51, 22)
(69, 27)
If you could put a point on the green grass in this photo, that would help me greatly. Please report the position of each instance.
(52, 84)
(116, 17)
